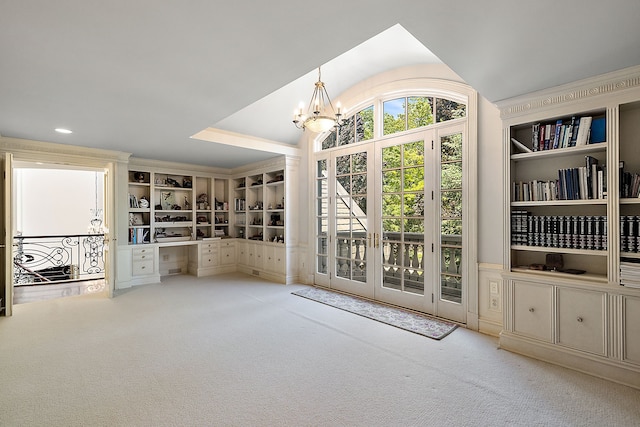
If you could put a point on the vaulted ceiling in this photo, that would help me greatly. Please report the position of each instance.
(142, 76)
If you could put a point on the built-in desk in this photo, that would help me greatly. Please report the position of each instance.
(147, 263)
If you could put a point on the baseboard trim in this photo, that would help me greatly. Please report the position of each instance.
(489, 327)
(601, 367)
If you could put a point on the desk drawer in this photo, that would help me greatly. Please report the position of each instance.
(140, 268)
(209, 260)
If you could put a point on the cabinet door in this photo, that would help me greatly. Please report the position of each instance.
(258, 257)
(532, 310)
(243, 256)
(274, 259)
(227, 253)
(581, 320)
(631, 329)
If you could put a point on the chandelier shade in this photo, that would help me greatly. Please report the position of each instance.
(320, 115)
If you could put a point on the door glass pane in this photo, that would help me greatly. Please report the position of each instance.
(403, 217)
(350, 214)
(391, 205)
(322, 216)
(391, 157)
(391, 181)
(451, 218)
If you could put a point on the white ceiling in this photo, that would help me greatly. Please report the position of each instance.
(142, 76)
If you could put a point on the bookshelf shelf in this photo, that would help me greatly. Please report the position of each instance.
(549, 249)
(586, 202)
(634, 201)
(596, 278)
(561, 152)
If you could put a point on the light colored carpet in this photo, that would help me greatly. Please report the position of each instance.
(236, 351)
(403, 319)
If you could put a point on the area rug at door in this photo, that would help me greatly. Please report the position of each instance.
(403, 319)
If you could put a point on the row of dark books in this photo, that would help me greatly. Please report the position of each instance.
(579, 183)
(630, 272)
(630, 233)
(559, 231)
(629, 183)
(570, 133)
(239, 204)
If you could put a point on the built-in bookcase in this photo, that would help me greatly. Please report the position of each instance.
(572, 226)
(169, 206)
(558, 196)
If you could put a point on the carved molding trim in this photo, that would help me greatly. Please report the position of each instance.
(606, 84)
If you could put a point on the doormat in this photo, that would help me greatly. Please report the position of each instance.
(403, 319)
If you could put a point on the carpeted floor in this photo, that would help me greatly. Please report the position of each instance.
(403, 319)
(234, 350)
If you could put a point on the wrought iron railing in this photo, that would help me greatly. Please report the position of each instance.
(57, 259)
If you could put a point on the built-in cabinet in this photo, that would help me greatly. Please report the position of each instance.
(208, 222)
(572, 236)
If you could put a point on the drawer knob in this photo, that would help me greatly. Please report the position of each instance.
(579, 319)
(531, 310)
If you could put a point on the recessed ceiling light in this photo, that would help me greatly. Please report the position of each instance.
(62, 130)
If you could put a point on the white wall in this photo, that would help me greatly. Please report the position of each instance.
(55, 201)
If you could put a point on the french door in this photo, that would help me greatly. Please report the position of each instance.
(404, 257)
(344, 206)
(389, 220)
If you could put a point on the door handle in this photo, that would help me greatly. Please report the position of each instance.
(377, 240)
(369, 239)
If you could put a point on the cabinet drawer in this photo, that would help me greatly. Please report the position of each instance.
(581, 320)
(142, 267)
(532, 310)
(209, 260)
(227, 244)
(142, 254)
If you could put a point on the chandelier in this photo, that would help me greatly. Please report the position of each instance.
(320, 115)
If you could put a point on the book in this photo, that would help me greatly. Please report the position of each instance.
(556, 136)
(535, 137)
(583, 131)
(574, 132)
(598, 130)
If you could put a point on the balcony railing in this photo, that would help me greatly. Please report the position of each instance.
(402, 261)
(57, 259)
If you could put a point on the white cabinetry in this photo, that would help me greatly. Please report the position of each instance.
(263, 218)
(532, 310)
(572, 226)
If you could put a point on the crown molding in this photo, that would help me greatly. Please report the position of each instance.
(581, 90)
(26, 149)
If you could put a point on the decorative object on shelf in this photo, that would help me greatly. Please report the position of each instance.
(187, 204)
(167, 200)
(320, 115)
(135, 219)
(172, 182)
(143, 202)
(138, 176)
(219, 205)
(554, 262)
(186, 182)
